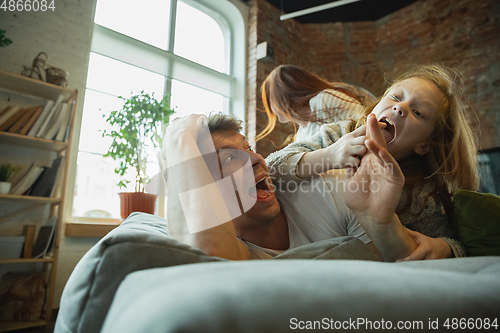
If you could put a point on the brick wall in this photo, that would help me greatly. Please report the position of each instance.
(462, 33)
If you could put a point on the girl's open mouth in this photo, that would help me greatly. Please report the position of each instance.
(389, 131)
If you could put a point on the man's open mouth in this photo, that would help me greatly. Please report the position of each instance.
(264, 188)
(389, 131)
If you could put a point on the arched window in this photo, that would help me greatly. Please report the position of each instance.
(193, 50)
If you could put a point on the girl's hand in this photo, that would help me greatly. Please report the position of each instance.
(347, 151)
(374, 190)
(428, 248)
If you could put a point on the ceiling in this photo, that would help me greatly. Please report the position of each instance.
(364, 10)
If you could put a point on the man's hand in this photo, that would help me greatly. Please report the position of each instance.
(197, 212)
(428, 248)
(185, 127)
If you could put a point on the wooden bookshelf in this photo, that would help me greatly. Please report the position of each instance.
(26, 260)
(31, 142)
(29, 198)
(14, 325)
(15, 206)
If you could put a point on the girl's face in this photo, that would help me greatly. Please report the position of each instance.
(410, 110)
(282, 117)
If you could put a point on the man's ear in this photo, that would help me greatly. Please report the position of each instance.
(422, 148)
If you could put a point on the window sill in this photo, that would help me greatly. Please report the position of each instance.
(89, 229)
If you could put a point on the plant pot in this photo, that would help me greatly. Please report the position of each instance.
(5, 187)
(136, 202)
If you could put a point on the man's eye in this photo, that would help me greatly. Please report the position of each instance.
(418, 114)
(228, 159)
(249, 148)
(395, 97)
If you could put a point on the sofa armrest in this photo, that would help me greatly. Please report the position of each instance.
(140, 242)
(284, 295)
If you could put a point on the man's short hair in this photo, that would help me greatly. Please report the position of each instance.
(223, 122)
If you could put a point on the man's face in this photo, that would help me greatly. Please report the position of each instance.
(231, 146)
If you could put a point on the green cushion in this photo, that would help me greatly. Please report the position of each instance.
(477, 221)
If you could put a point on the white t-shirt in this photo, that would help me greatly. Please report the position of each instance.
(315, 211)
(331, 106)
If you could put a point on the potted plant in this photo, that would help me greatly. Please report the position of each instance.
(6, 172)
(4, 41)
(139, 124)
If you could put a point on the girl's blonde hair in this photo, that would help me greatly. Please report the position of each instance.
(453, 147)
(290, 88)
(451, 161)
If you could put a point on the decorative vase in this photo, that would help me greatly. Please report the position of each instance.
(5, 187)
(136, 202)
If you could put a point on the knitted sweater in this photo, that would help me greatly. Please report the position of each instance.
(431, 221)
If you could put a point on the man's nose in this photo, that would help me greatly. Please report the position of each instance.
(255, 158)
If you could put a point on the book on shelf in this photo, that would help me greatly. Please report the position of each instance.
(23, 120)
(45, 184)
(58, 180)
(51, 118)
(58, 128)
(29, 234)
(70, 119)
(16, 112)
(36, 114)
(27, 180)
(38, 123)
(45, 239)
(63, 128)
(6, 115)
(5, 109)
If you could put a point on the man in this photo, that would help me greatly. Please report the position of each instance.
(202, 155)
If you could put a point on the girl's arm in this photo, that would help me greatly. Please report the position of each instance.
(284, 164)
(337, 146)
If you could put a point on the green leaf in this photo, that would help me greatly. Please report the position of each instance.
(139, 123)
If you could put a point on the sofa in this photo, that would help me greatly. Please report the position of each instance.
(138, 279)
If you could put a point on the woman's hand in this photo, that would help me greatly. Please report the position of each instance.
(374, 189)
(428, 248)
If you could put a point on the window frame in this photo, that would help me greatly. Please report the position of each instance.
(231, 17)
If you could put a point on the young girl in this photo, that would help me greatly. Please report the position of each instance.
(290, 93)
(427, 133)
